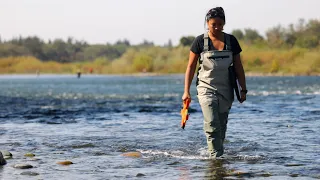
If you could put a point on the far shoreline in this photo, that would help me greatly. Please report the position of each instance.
(248, 74)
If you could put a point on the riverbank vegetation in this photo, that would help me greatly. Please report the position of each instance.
(293, 50)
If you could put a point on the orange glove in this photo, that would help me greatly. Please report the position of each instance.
(184, 112)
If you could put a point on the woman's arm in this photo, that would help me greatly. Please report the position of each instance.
(241, 75)
(192, 64)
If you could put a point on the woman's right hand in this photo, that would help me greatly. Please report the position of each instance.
(186, 95)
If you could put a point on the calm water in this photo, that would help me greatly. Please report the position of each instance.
(91, 121)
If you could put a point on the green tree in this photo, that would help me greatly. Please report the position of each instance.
(252, 35)
(290, 37)
(146, 43)
(34, 45)
(59, 49)
(186, 40)
(307, 41)
(276, 36)
(7, 49)
(238, 34)
(125, 42)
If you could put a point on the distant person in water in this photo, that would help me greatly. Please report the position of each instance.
(215, 51)
(78, 73)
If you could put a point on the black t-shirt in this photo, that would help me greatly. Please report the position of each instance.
(197, 45)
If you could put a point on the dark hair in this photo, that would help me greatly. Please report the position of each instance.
(216, 12)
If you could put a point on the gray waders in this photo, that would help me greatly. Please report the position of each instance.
(215, 93)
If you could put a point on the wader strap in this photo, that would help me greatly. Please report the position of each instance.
(228, 45)
(205, 41)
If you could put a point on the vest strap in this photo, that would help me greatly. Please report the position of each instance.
(228, 42)
(206, 41)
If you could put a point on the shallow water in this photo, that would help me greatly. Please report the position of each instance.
(91, 121)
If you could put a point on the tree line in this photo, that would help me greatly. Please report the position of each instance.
(303, 34)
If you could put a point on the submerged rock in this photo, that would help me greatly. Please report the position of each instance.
(6, 153)
(29, 173)
(65, 162)
(78, 146)
(7, 157)
(293, 164)
(132, 154)
(23, 166)
(58, 152)
(123, 149)
(2, 160)
(173, 163)
(34, 159)
(294, 175)
(239, 174)
(29, 155)
(140, 175)
(267, 174)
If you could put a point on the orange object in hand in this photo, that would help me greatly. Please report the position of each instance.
(184, 112)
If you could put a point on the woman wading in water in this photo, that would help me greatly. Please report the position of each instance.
(216, 51)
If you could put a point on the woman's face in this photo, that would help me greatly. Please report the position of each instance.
(215, 25)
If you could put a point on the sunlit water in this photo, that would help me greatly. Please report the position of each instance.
(91, 121)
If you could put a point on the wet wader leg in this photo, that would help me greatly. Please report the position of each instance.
(212, 127)
(223, 117)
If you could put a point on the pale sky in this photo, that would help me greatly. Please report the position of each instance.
(102, 21)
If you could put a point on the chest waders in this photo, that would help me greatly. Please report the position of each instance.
(215, 93)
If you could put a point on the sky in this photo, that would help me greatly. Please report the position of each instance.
(107, 21)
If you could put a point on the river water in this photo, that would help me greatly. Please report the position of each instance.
(93, 120)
